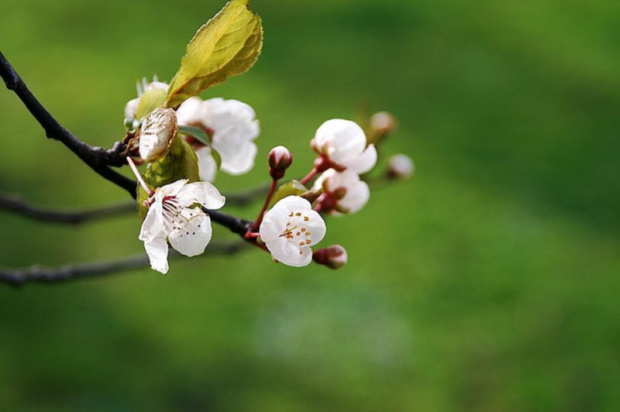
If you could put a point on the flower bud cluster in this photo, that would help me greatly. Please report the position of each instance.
(221, 133)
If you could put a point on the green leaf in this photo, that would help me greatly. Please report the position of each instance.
(149, 101)
(217, 157)
(227, 45)
(292, 188)
(197, 133)
(179, 163)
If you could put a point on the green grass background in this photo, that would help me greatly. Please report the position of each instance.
(489, 282)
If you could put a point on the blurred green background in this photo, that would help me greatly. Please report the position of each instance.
(489, 282)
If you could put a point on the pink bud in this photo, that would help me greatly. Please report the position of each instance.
(382, 123)
(334, 256)
(280, 158)
(400, 166)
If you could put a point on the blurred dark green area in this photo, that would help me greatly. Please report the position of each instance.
(489, 282)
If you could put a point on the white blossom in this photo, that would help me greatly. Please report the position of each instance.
(175, 216)
(343, 192)
(232, 126)
(343, 143)
(290, 228)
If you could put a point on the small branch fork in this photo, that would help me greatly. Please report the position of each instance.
(96, 158)
(101, 161)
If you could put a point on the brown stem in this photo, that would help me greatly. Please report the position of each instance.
(259, 218)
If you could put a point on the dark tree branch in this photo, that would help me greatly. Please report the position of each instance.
(97, 158)
(16, 204)
(234, 224)
(38, 274)
(100, 160)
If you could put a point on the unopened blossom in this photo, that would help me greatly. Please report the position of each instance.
(175, 216)
(280, 159)
(142, 87)
(334, 256)
(400, 166)
(343, 143)
(232, 127)
(382, 122)
(156, 134)
(290, 228)
(343, 192)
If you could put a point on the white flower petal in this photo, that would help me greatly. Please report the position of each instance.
(293, 203)
(192, 238)
(190, 112)
(153, 225)
(273, 224)
(203, 193)
(364, 162)
(340, 139)
(356, 198)
(157, 250)
(171, 189)
(131, 107)
(289, 254)
(237, 160)
(316, 226)
(206, 164)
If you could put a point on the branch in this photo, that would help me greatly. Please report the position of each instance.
(234, 224)
(16, 204)
(96, 158)
(37, 274)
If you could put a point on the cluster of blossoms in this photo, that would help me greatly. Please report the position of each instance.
(221, 134)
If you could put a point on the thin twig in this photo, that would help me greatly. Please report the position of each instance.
(38, 274)
(16, 204)
(97, 158)
(234, 224)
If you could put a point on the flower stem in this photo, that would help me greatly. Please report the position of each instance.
(259, 218)
(309, 176)
(135, 171)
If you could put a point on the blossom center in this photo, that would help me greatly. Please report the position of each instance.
(297, 230)
(177, 217)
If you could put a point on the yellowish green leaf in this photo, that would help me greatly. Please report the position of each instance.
(227, 45)
(292, 188)
(149, 101)
(179, 163)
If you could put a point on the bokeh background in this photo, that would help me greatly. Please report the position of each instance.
(488, 282)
